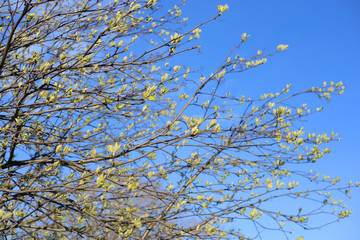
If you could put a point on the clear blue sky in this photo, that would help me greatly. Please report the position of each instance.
(323, 38)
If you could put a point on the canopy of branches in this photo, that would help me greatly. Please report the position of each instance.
(104, 136)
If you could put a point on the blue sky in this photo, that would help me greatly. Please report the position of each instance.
(323, 38)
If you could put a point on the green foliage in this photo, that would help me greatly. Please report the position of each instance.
(103, 136)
